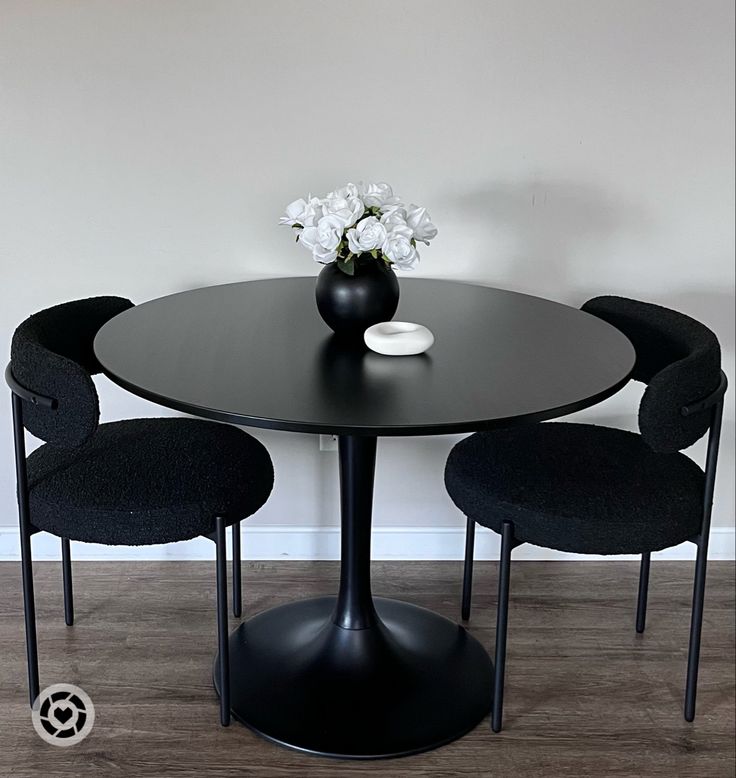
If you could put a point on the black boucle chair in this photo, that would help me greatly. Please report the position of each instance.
(595, 490)
(137, 482)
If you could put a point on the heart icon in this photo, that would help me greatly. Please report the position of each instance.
(62, 715)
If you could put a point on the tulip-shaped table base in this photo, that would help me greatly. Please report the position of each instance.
(351, 676)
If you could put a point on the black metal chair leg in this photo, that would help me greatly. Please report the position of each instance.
(502, 616)
(701, 561)
(222, 630)
(468, 568)
(641, 607)
(26, 564)
(696, 627)
(66, 571)
(237, 582)
(29, 611)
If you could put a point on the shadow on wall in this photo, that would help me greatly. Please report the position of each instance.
(546, 224)
(713, 307)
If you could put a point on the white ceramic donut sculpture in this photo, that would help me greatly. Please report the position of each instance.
(398, 338)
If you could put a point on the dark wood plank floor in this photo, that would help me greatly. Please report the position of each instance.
(585, 695)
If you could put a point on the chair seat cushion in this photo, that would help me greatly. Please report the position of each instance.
(148, 481)
(577, 487)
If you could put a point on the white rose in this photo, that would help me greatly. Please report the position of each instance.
(330, 229)
(302, 213)
(418, 219)
(367, 236)
(346, 192)
(398, 248)
(309, 238)
(378, 195)
(323, 255)
(395, 217)
(294, 212)
(313, 212)
(349, 209)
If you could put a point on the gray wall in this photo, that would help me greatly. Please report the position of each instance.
(564, 148)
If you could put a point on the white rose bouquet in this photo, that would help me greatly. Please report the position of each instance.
(360, 220)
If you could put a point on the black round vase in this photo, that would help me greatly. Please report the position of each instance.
(351, 304)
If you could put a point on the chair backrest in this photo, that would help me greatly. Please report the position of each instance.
(51, 354)
(677, 357)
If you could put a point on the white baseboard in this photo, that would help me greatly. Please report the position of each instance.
(317, 543)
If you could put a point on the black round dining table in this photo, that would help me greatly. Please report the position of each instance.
(359, 676)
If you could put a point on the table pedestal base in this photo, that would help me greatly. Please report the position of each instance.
(411, 682)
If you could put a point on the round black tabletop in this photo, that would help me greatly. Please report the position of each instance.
(257, 353)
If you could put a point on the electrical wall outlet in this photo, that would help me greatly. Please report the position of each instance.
(328, 442)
